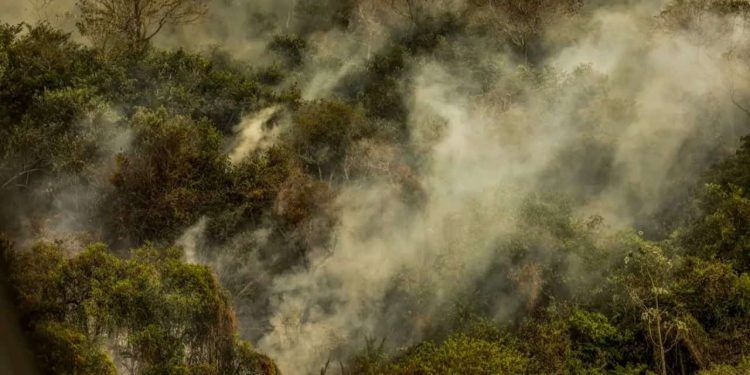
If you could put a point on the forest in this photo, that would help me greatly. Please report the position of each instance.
(406, 187)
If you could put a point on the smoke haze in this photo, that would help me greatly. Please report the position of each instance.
(632, 78)
(622, 118)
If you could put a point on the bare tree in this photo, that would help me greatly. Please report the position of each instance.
(522, 22)
(131, 24)
(413, 13)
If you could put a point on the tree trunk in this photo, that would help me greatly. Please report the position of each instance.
(660, 339)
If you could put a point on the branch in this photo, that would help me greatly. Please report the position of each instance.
(737, 104)
(26, 172)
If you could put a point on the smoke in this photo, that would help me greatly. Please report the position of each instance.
(337, 54)
(58, 13)
(252, 134)
(682, 110)
(620, 116)
(64, 204)
(648, 106)
(190, 241)
(239, 27)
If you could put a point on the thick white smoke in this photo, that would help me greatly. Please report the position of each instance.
(252, 134)
(643, 92)
(657, 103)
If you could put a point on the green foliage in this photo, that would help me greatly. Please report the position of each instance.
(460, 354)
(741, 368)
(711, 291)
(322, 15)
(249, 362)
(255, 185)
(381, 94)
(582, 301)
(158, 314)
(596, 342)
(290, 48)
(50, 104)
(38, 60)
(430, 30)
(174, 173)
(551, 255)
(720, 228)
(37, 279)
(734, 169)
(322, 133)
(64, 350)
(192, 85)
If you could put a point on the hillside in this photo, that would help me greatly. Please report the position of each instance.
(375, 187)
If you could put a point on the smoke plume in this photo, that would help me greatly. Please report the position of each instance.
(624, 96)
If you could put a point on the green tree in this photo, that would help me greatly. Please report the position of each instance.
(157, 314)
(174, 173)
(62, 349)
(460, 354)
(743, 367)
(649, 280)
(199, 86)
(322, 134)
(720, 226)
(50, 102)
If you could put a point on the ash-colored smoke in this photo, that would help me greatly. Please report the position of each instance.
(239, 27)
(658, 106)
(191, 240)
(58, 13)
(658, 102)
(69, 217)
(252, 133)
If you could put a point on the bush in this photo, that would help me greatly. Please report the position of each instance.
(158, 314)
(461, 354)
(174, 173)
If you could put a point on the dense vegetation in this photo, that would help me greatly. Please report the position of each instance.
(135, 241)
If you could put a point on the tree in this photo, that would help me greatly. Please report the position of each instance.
(308, 16)
(174, 173)
(722, 230)
(720, 226)
(322, 134)
(157, 314)
(649, 282)
(64, 350)
(131, 24)
(46, 90)
(522, 22)
(686, 14)
(290, 48)
(742, 368)
(461, 354)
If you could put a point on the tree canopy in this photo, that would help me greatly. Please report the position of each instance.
(379, 187)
